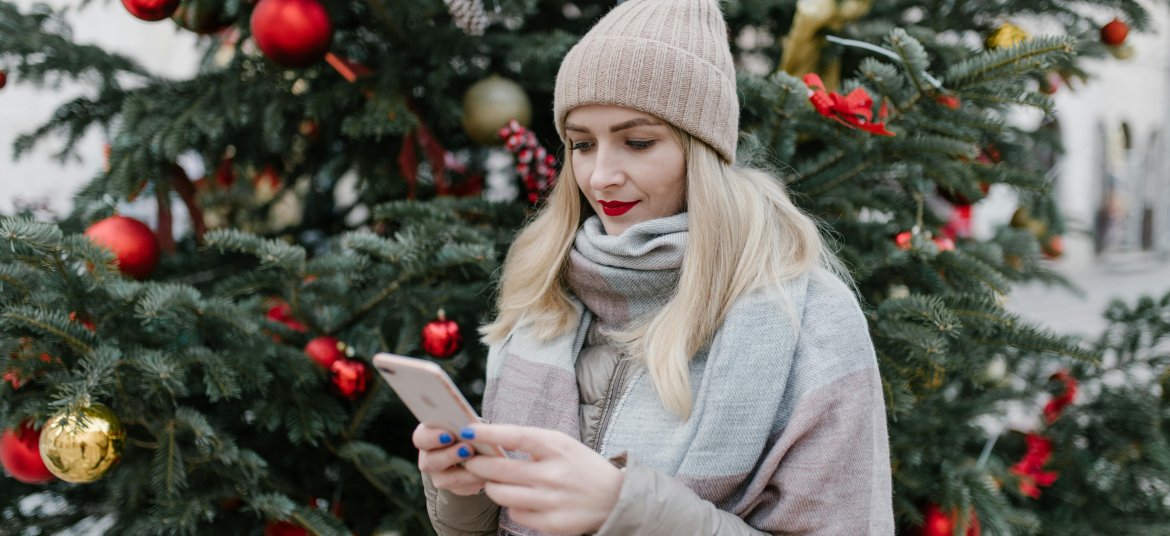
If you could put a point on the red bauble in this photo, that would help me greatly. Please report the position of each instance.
(132, 242)
(441, 337)
(151, 9)
(904, 240)
(938, 523)
(1053, 248)
(281, 312)
(325, 351)
(284, 528)
(944, 243)
(3, 79)
(293, 33)
(1114, 33)
(350, 377)
(20, 454)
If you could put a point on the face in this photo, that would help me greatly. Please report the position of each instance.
(628, 164)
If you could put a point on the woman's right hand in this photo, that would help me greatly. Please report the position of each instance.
(439, 455)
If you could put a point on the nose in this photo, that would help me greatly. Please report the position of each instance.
(607, 171)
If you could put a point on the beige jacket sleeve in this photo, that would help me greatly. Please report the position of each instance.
(653, 504)
(457, 515)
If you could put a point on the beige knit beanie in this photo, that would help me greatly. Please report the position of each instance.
(668, 58)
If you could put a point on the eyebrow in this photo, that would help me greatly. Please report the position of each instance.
(641, 121)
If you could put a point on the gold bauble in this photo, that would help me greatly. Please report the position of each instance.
(81, 446)
(489, 104)
(1122, 52)
(1006, 36)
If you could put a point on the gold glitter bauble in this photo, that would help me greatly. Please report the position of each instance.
(82, 446)
(489, 104)
(1006, 36)
(1122, 52)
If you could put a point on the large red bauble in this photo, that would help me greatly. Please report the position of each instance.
(325, 351)
(350, 377)
(441, 337)
(151, 9)
(1114, 33)
(293, 33)
(20, 454)
(132, 242)
(938, 523)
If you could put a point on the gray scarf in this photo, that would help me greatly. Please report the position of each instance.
(621, 278)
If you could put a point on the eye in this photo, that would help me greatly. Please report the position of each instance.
(580, 146)
(640, 145)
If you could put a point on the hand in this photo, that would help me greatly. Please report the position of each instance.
(439, 456)
(566, 488)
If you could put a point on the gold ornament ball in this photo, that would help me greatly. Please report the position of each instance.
(1122, 52)
(82, 447)
(1006, 36)
(489, 104)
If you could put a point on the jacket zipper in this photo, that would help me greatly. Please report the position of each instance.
(614, 383)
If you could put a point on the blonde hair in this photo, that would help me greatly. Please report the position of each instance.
(744, 232)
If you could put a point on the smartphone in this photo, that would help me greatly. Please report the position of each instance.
(431, 395)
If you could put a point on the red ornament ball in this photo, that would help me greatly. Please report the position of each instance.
(350, 377)
(325, 351)
(132, 242)
(151, 10)
(1053, 247)
(3, 79)
(293, 33)
(904, 240)
(1114, 33)
(284, 528)
(20, 454)
(938, 523)
(441, 337)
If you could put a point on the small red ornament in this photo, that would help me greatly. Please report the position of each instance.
(281, 312)
(903, 240)
(284, 528)
(325, 351)
(1030, 468)
(3, 79)
(1055, 407)
(350, 377)
(20, 454)
(441, 337)
(938, 523)
(293, 33)
(1114, 32)
(950, 101)
(132, 242)
(1053, 248)
(151, 10)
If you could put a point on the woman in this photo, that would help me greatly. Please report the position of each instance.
(675, 351)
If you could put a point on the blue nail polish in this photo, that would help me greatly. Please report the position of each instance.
(445, 439)
(464, 452)
(467, 433)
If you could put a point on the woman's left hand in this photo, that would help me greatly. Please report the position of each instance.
(566, 488)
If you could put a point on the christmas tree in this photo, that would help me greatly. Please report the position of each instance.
(221, 379)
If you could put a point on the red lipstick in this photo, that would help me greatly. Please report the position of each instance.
(616, 208)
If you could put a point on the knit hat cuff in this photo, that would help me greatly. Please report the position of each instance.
(638, 73)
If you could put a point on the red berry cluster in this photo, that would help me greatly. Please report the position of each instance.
(534, 164)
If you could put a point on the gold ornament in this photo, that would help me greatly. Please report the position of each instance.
(81, 447)
(1006, 36)
(802, 45)
(489, 104)
(1122, 52)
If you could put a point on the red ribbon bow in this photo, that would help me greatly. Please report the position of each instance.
(853, 110)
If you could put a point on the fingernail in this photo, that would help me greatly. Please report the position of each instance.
(467, 433)
(445, 438)
(464, 452)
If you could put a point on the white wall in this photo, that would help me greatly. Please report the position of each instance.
(161, 47)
